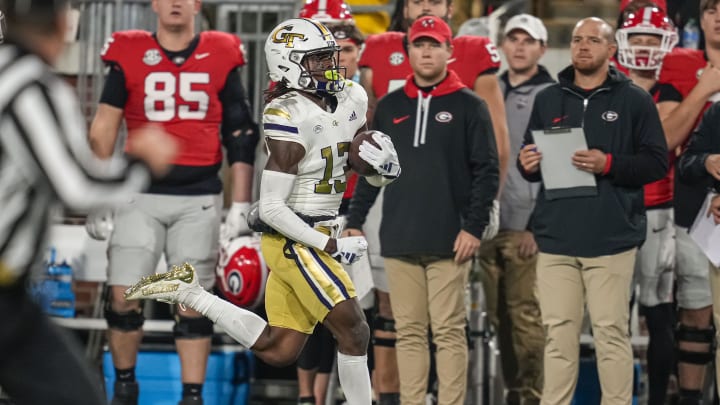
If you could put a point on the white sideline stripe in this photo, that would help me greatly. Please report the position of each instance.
(150, 325)
(154, 325)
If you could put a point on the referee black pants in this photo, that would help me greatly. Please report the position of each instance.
(39, 363)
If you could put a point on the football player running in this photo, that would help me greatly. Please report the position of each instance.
(310, 118)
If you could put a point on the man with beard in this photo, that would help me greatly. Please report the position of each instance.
(508, 260)
(588, 243)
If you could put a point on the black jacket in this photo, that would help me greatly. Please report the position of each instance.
(621, 120)
(446, 146)
(704, 142)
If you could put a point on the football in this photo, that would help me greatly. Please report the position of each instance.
(357, 163)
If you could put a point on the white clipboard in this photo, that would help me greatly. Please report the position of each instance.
(560, 178)
(706, 233)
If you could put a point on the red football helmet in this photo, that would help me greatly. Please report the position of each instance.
(661, 4)
(326, 11)
(242, 272)
(645, 21)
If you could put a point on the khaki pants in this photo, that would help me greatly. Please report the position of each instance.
(715, 288)
(565, 284)
(512, 305)
(429, 292)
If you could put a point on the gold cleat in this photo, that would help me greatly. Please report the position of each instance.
(164, 287)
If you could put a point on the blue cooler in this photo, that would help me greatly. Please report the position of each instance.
(588, 390)
(229, 373)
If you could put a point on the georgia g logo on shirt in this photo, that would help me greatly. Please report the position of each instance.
(443, 116)
(610, 116)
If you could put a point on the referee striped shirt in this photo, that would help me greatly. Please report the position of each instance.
(46, 161)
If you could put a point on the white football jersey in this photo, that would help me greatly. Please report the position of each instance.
(326, 137)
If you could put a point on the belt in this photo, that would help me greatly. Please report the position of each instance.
(323, 220)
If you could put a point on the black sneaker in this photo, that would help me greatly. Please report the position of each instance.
(126, 393)
(191, 400)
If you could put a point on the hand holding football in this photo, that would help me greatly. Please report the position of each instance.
(358, 164)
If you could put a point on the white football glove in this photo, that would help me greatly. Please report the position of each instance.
(384, 160)
(236, 222)
(99, 224)
(494, 225)
(350, 249)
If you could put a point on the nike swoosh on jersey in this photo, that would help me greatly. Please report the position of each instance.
(400, 119)
(202, 55)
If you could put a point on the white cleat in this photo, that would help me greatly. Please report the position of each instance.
(165, 287)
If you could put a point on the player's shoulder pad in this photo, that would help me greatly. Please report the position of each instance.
(120, 42)
(471, 41)
(682, 59)
(390, 37)
(680, 68)
(227, 44)
(285, 110)
(355, 92)
(356, 95)
(476, 49)
(378, 46)
(131, 36)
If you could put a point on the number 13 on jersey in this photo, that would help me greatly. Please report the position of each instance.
(324, 186)
(162, 89)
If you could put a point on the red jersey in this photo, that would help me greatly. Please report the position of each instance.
(184, 98)
(681, 69)
(385, 55)
(660, 192)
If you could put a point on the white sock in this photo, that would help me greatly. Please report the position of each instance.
(354, 379)
(241, 324)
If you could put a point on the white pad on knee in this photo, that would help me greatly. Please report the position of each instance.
(354, 379)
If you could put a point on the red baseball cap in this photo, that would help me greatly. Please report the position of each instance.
(431, 27)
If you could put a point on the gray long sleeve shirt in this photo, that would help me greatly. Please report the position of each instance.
(518, 197)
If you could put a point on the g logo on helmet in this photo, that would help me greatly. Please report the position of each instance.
(234, 282)
(241, 272)
(283, 36)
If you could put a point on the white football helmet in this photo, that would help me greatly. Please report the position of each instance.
(290, 43)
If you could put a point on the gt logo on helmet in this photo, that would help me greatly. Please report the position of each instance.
(287, 38)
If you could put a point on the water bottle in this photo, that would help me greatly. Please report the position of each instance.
(58, 284)
(691, 35)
